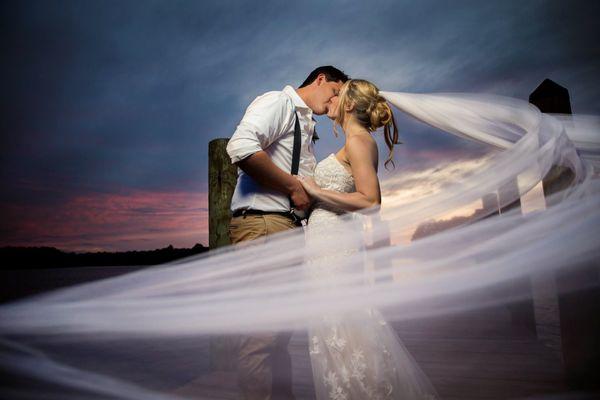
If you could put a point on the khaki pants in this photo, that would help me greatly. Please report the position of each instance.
(264, 363)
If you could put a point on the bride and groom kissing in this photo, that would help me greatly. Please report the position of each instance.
(279, 179)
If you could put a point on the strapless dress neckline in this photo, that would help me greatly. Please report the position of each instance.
(339, 163)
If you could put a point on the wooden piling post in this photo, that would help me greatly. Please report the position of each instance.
(522, 313)
(577, 310)
(510, 190)
(552, 98)
(222, 178)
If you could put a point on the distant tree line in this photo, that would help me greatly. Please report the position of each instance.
(50, 257)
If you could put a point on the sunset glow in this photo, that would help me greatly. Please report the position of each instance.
(139, 220)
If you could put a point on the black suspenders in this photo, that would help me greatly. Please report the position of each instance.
(297, 146)
(296, 150)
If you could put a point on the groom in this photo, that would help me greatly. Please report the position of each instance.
(262, 147)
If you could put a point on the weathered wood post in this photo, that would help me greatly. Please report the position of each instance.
(575, 310)
(510, 190)
(379, 236)
(550, 97)
(222, 177)
(521, 311)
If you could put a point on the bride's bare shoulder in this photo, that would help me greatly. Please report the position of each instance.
(361, 145)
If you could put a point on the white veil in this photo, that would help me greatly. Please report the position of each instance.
(146, 334)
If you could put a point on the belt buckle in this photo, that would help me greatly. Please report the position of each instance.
(296, 220)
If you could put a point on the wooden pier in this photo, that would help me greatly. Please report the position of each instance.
(474, 355)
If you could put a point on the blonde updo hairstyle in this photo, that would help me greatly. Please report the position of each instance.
(371, 110)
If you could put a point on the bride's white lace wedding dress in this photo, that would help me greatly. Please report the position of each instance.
(354, 355)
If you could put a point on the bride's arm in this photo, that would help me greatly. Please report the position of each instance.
(362, 155)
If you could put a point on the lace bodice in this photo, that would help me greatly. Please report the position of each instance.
(328, 225)
(330, 174)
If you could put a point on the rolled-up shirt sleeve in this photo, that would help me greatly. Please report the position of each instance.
(266, 119)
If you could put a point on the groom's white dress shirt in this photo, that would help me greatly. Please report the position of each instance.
(268, 125)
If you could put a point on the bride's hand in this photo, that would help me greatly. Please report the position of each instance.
(309, 185)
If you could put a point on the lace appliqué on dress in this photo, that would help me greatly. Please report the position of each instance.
(350, 354)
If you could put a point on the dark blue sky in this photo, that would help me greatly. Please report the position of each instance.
(115, 97)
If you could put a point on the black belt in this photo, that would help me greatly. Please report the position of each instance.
(249, 211)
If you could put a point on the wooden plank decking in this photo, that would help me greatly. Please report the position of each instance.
(463, 362)
(472, 355)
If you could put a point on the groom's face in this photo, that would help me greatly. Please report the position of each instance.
(332, 108)
(324, 92)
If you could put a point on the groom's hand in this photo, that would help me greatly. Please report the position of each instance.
(300, 198)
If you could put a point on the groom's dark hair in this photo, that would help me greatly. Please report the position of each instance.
(332, 74)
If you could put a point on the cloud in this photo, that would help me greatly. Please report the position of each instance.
(412, 185)
(105, 97)
(93, 221)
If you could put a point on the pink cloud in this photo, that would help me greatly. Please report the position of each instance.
(98, 221)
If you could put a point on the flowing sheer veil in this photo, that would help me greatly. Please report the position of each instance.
(146, 334)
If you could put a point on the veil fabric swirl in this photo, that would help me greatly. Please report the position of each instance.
(147, 334)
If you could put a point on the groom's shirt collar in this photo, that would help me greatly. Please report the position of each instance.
(303, 109)
(296, 99)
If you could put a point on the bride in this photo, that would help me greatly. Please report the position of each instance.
(354, 355)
